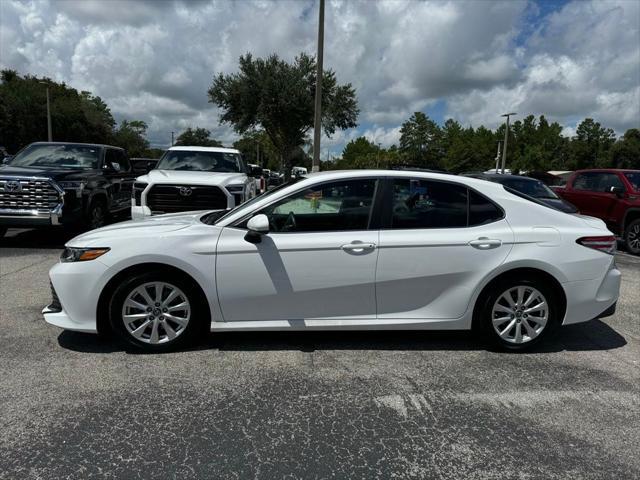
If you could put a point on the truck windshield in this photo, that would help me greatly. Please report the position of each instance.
(198, 161)
(86, 157)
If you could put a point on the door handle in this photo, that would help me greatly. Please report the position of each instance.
(358, 247)
(485, 243)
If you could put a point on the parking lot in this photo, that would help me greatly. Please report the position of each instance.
(311, 405)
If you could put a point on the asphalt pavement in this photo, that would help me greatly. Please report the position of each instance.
(311, 405)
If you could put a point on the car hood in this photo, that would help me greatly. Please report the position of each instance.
(46, 172)
(185, 177)
(148, 227)
(559, 204)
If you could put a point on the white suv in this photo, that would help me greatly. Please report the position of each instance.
(193, 178)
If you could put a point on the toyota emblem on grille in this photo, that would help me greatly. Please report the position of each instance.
(186, 191)
(13, 186)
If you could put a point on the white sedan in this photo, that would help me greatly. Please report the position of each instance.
(343, 250)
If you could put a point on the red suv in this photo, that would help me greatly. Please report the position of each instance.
(609, 194)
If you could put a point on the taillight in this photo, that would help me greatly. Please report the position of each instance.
(605, 244)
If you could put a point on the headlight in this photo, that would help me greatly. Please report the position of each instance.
(76, 186)
(235, 188)
(71, 254)
(136, 193)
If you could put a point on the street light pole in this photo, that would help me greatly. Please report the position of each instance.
(317, 122)
(49, 135)
(498, 156)
(506, 139)
(172, 139)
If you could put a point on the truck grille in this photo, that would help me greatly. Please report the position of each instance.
(182, 198)
(28, 194)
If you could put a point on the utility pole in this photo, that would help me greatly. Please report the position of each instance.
(258, 153)
(317, 122)
(49, 135)
(498, 155)
(506, 139)
(172, 139)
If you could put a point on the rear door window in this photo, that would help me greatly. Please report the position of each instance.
(419, 203)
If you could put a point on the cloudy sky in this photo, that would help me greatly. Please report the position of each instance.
(469, 60)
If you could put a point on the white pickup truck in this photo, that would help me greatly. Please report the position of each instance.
(194, 178)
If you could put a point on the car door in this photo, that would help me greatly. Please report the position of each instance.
(317, 262)
(437, 242)
(127, 178)
(112, 174)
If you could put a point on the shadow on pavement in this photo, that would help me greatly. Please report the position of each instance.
(590, 336)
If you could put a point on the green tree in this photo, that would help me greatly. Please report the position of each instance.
(131, 135)
(278, 97)
(625, 153)
(257, 142)
(420, 141)
(75, 116)
(197, 137)
(359, 147)
(591, 145)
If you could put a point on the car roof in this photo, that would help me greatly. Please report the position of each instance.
(499, 176)
(444, 177)
(187, 148)
(101, 145)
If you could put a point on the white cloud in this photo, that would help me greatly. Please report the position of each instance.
(154, 60)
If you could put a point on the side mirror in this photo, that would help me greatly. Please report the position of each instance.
(258, 226)
(6, 159)
(617, 191)
(255, 172)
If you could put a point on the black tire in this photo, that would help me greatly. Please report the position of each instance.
(632, 237)
(96, 216)
(198, 312)
(485, 319)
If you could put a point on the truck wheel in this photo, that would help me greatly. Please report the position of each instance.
(96, 216)
(632, 237)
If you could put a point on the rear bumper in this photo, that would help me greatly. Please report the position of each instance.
(589, 299)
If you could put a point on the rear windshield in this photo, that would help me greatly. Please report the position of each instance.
(86, 157)
(634, 179)
(201, 161)
(532, 188)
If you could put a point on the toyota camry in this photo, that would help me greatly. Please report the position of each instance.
(343, 250)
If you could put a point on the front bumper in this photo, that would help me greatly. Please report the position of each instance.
(78, 286)
(30, 218)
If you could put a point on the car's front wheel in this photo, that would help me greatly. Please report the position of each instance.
(157, 312)
(632, 237)
(518, 313)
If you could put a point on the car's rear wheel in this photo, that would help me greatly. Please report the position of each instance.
(519, 313)
(157, 312)
(632, 237)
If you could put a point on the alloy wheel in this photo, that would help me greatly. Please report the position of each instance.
(520, 314)
(633, 237)
(156, 312)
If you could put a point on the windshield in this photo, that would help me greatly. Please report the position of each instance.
(531, 187)
(85, 157)
(200, 161)
(634, 179)
(215, 217)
